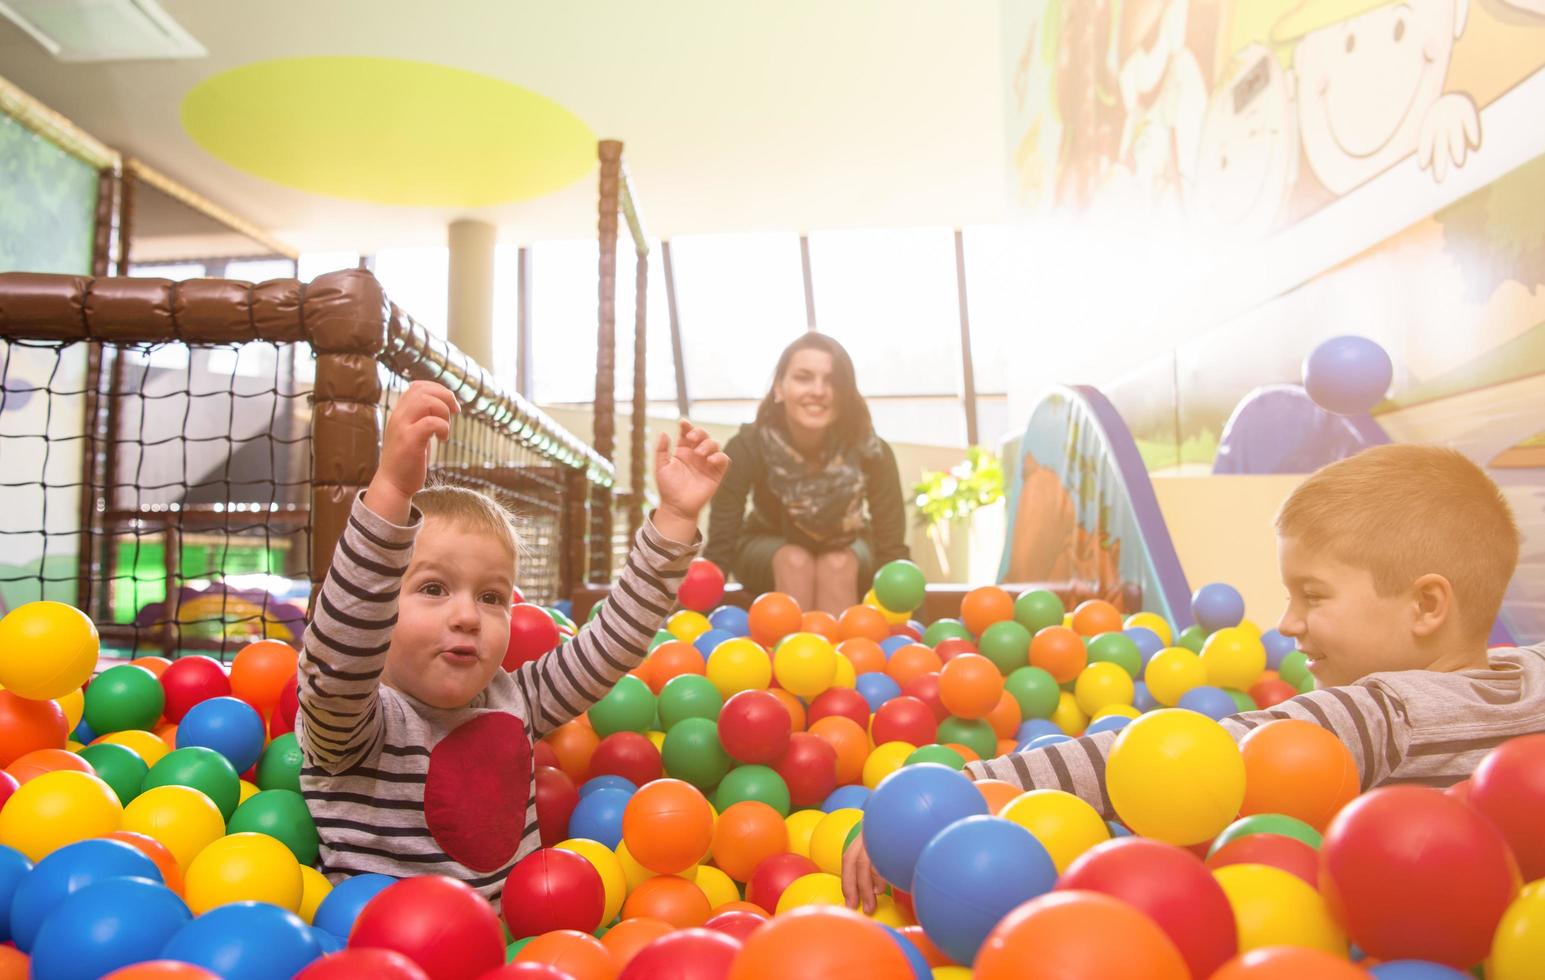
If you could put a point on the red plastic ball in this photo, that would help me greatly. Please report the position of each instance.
(1509, 788)
(27, 726)
(904, 719)
(954, 646)
(190, 680)
(907, 630)
(556, 798)
(527, 970)
(1461, 792)
(809, 767)
(1412, 874)
(8, 785)
(1270, 693)
(702, 587)
(754, 727)
(690, 954)
(775, 874)
(552, 889)
(1171, 887)
(283, 718)
(843, 701)
(356, 964)
(442, 925)
(925, 687)
(542, 754)
(736, 923)
(532, 633)
(629, 755)
(1274, 850)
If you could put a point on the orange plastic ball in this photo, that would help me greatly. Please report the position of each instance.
(982, 607)
(970, 686)
(574, 743)
(773, 616)
(751, 907)
(668, 826)
(1297, 768)
(16, 965)
(911, 662)
(1096, 616)
(1005, 717)
(1288, 963)
(626, 938)
(156, 665)
(863, 653)
(1060, 652)
(862, 622)
(577, 954)
(39, 761)
(260, 672)
(933, 955)
(820, 941)
(1006, 745)
(158, 970)
(851, 743)
(1081, 934)
(168, 734)
(669, 899)
(171, 874)
(745, 834)
(669, 661)
(26, 726)
(793, 706)
(965, 752)
(822, 623)
(997, 793)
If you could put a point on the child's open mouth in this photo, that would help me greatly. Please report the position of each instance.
(461, 656)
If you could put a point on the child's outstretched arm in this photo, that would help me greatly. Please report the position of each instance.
(560, 685)
(351, 626)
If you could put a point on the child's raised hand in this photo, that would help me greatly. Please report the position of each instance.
(686, 478)
(422, 414)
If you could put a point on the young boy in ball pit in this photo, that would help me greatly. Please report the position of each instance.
(418, 746)
(1395, 561)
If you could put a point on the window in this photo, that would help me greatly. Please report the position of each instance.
(260, 270)
(418, 281)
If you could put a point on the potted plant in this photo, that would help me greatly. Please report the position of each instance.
(961, 510)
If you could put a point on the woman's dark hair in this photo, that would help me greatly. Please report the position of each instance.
(853, 422)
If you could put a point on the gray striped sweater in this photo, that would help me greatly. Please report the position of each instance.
(403, 788)
(1412, 726)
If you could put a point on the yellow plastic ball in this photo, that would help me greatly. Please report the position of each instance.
(1101, 685)
(314, 887)
(71, 745)
(1176, 775)
(1064, 824)
(891, 617)
(243, 868)
(1233, 658)
(73, 704)
(247, 790)
(739, 665)
(184, 820)
(58, 808)
(887, 912)
(1273, 907)
(818, 888)
(884, 760)
(1068, 716)
(1151, 621)
(846, 676)
(1122, 710)
(830, 834)
(1250, 628)
(951, 973)
(805, 664)
(717, 885)
(1518, 948)
(147, 745)
(802, 824)
(606, 863)
(657, 739)
(50, 650)
(1173, 672)
(687, 625)
(633, 873)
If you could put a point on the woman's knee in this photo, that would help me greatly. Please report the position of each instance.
(791, 559)
(839, 562)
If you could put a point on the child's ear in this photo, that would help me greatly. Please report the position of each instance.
(1434, 603)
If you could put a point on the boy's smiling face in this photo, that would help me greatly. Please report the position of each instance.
(1338, 618)
(453, 618)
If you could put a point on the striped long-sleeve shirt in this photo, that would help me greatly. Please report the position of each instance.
(1414, 726)
(402, 788)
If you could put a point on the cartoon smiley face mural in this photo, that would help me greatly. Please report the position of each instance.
(1249, 155)
(1370, 87)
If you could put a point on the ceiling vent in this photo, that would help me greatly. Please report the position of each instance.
(103, 30)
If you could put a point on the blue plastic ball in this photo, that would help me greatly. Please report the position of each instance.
(1042, 741)
(1117, 830)
(893, 643)
(877, 688)
(107, 925)
(65, 872)
(852, 797)
(330, 943)
(606, 782)
(915, 958)
(1141, 699)
(1214, 702)
(230, 726)
(14, 867)
(1348, 375)
(907, 809)
(1148, 643)
(599, 816)
(1217, 606)
(706, 642)
(1416, 970)
(1110, 723)
(246, 941)
(1277, 646)
(1032, 728)
(341, 906)
(83, 733)
(973, 873)
(732, 619)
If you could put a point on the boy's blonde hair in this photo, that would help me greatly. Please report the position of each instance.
(471, 510)
(1404, 511)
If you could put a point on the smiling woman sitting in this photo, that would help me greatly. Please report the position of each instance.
(826, 506)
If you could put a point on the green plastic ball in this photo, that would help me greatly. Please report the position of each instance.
(279, 766)
(692, 752)
(1243, 701)
(943, 629)
(1006, 644)
(853, 832)
(123, 698)
(942, 754)
(1037, 609)
(560, 617)
(282, 815)
(1035, 690)
(1295, 668)
(595, 610)
(688, 696)
(513, 949)
(753, 783)
(976, 735)
(1192, 638)
(203, 769)
(627, 707)
(661, 636)
(119, 767)
(1118, 649)
(1306, 685)
(900, 586)
(1268, 823)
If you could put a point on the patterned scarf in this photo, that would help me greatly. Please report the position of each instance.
(825, 501)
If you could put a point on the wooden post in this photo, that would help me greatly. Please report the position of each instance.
(637, 453)
(606, 359)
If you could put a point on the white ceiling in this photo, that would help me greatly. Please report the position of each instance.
(737, 116)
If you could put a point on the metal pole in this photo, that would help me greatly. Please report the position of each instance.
(683, 401)
(523, 373)
(966, 359)
(804, 260)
